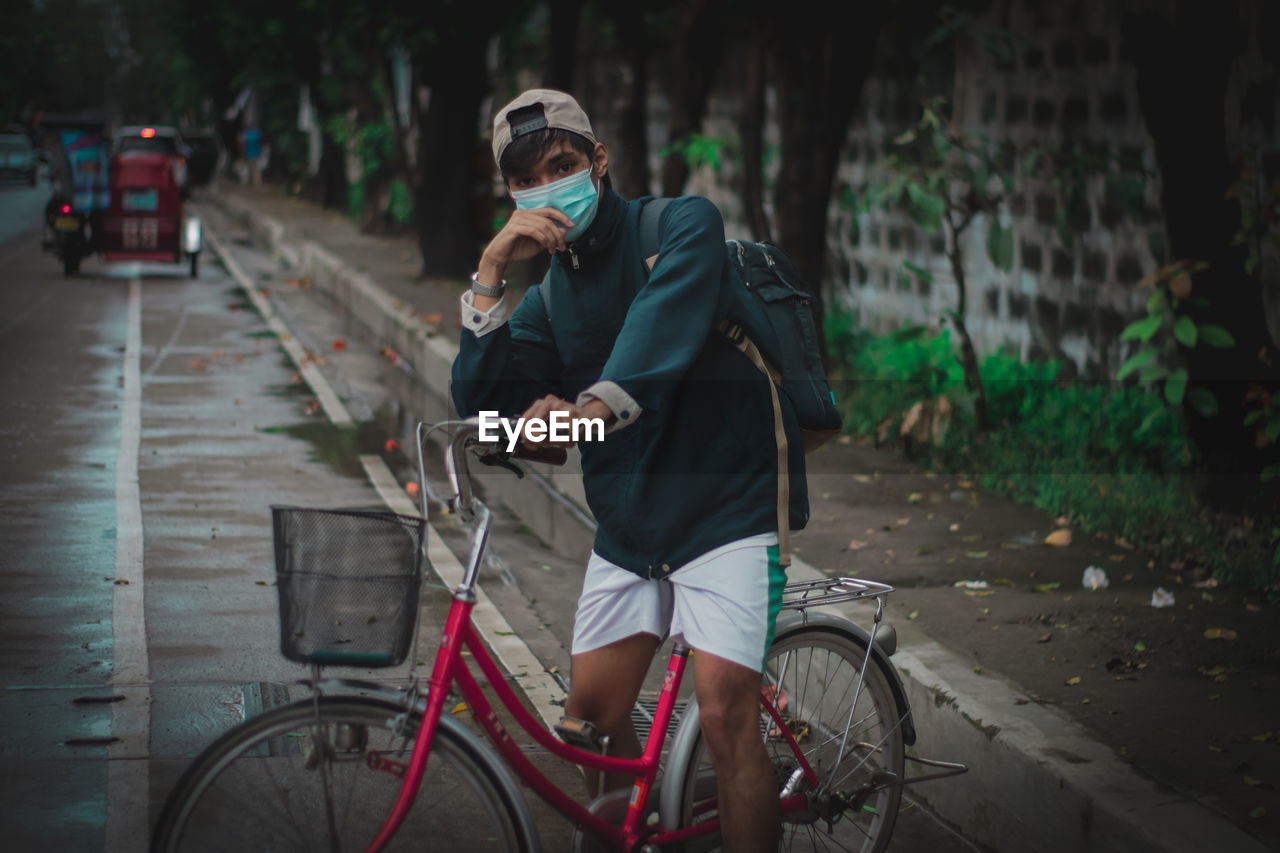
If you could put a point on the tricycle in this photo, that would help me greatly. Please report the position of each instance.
(145, 221)
(126, 208)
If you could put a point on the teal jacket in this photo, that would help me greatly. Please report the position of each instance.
(692, 464)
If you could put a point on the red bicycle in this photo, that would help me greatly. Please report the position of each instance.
(359, 766)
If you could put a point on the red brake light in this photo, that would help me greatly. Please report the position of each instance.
(66, 208)
(148, 132)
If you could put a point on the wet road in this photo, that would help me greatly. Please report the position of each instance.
(135, 401)
(149, 422)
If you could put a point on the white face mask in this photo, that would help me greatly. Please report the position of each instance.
(576, 196)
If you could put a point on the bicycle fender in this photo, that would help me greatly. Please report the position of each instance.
(487, 757)
(790, 621)
(679, 758)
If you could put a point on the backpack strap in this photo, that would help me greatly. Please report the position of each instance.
(649, 246)
(745, 345)
(650, 214)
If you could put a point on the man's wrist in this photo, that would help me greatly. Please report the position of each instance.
(481, 288)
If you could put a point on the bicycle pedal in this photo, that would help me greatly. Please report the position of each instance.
(580, 733)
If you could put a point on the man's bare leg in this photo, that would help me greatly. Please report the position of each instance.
(729, 705)
(604, 686)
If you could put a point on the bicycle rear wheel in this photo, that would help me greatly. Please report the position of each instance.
(814, 674)
(280, 782)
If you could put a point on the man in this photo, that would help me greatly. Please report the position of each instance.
(684, 486)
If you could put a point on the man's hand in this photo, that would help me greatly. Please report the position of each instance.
(526, 233)
(543, 408)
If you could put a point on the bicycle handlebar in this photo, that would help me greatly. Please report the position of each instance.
(465, 435)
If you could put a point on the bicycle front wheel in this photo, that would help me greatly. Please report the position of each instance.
(293, 779)
(813, 675)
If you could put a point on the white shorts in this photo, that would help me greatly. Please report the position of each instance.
(723, 603)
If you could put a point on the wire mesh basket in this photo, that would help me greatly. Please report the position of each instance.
(348, 582)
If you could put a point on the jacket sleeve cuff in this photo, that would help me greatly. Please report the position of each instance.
(625, 409)
(483, 322)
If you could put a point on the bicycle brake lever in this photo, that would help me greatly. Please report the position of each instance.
(500, 460)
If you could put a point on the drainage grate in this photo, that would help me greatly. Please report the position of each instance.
(642, 716)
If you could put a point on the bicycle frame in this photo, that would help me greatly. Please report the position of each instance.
(449, 669)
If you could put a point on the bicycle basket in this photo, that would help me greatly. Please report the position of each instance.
(348, 584)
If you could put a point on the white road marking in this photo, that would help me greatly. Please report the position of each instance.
(544, 694)
(128, 757)
(333, 408)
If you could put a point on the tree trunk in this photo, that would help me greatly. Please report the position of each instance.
(445, 201)
(630, 153)
(968, 356)
(751, 133)
(562, 51)
(696, 52)
(1183, 66)
(820, 75)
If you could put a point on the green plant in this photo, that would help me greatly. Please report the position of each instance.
(401, 202)
(944, 180)
(1167, 332)
(698, 150)
(1264, 415)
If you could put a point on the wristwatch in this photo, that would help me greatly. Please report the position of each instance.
(488, 290)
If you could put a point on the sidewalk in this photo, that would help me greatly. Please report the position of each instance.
(1090, 720)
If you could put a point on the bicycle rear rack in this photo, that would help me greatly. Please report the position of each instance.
(801, 595)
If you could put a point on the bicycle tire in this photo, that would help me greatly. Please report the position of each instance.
(816, 670)
(260, 787)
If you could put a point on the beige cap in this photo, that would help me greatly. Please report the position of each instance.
(559, 110)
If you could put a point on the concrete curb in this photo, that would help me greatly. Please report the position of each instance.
(1037, 781)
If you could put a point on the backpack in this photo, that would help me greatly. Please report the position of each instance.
(786, 346)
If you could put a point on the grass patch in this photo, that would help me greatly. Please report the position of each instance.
(1113, 458)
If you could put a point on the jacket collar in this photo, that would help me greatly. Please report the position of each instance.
(604, 229)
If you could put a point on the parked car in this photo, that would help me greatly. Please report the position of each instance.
(160, 139)
(18, 158)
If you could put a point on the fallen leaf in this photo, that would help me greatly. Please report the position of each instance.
(915, 497)
(977, 670)
(857, 545)
(1219, 634)
(913, 614)
(965, 484)
(902, 522)
(1059, 538)
(1072, 682)
(1044, 587)
(1046, 638)
(459, 708)
(977, 555)
(1139, 646)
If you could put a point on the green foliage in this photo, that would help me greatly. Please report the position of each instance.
(1115, 459)
(698, 151)
(401, 203)
(1259, 211)
(1166, 333)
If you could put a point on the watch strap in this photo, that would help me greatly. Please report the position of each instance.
(489, 290)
